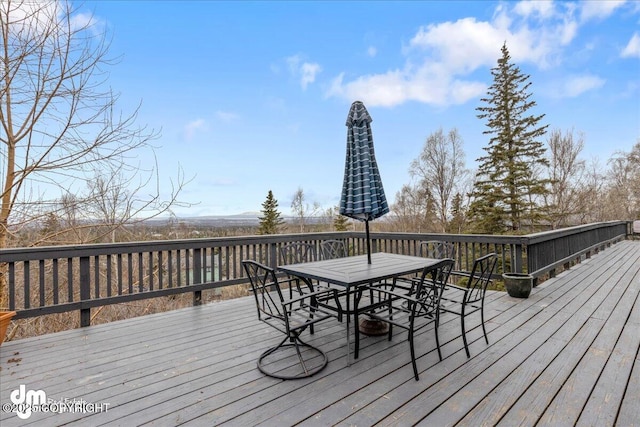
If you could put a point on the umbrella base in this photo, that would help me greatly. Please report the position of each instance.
(373, 327)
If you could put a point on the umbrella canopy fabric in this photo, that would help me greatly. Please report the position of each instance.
(362, 193)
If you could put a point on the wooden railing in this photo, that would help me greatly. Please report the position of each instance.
(552, 249)
(46, 280)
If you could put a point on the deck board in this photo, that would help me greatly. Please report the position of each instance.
(568, 354)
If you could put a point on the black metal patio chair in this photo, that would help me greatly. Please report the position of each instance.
(468, 298)
(295, 253)
(411, 312)
(437, 249)
(330, 249)
(291, 317)
(299, 252)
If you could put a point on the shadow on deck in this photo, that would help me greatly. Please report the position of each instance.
(568, 354)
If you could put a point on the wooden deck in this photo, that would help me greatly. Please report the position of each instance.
(567, 355)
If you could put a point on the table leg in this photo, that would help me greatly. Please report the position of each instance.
(348, 316)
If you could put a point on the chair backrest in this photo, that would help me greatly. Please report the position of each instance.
(432, 282)
(266, 291)
(437, 249)
(331, 249)
(480, 277)
(297, 252)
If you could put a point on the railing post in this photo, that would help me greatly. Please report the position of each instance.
(517, 261)
(85, 290)
(197, 274)
(273, 255)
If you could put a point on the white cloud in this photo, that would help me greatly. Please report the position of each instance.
(81, 20)
(372, 51)
(542, 9)
(539, 41)
(396, 87)
(41, 17)
(463, 45)
(87, 21)
(576, 85)
(34, 16)
(440, 57)
(193, 127)
(306, 71)
(632, 49)
(598, 9)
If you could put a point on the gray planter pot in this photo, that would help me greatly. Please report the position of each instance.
(518, 285)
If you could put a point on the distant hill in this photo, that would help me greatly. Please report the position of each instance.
(244, 219)
(247, 219)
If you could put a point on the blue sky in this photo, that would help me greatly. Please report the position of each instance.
(253, 96)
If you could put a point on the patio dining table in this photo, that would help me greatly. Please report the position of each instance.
(351, 272)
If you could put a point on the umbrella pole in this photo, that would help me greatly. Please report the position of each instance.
(366, 223)
(369, 326)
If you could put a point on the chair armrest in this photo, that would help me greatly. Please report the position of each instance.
(294, 281)
(456, 287)
(410, 280)
(391, 293)
(399, 283)
(460, 273)
(290, 280)
(323, 292)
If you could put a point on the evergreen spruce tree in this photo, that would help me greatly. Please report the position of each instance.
(340, 222)
(456, 224)
(507, 187)
(270, 221)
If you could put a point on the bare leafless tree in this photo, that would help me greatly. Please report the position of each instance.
(301, 209)
(592, 195)
(624, 179)
(440, 167)
(60, 126)
(567, 176)
(634, 183)
(413, 210)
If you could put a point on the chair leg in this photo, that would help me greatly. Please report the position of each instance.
(314, 303)
(338, 306)
(356, 300)
(390, 324)
(413, 355)
(437, 336)
(484, 330)
(300, 359)
(464, 333)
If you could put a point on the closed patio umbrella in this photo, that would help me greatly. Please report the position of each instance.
(362, 197)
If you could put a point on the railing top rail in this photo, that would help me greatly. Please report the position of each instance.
(63, 251)
(563, 232)
(494, 238)
(48, 252)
